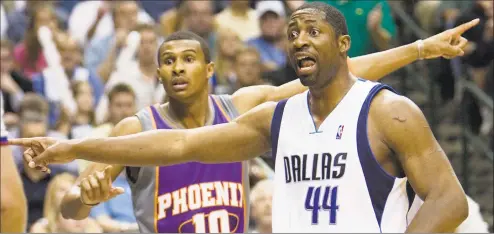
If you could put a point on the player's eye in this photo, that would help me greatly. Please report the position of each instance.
(292, 35)
(314, 32)
(189, 59)
(168, 61)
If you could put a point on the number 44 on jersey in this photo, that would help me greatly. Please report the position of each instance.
(328, 203)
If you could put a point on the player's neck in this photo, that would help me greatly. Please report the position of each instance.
(324, 100)
(191, 114)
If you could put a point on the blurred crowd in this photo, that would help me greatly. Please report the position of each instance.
(73, 69)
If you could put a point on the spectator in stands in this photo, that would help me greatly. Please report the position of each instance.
(140, 74)
(4, 24)
(480, 58)
(376, 15)
(199, 19)
(261, 197)
(239, 18)
(83, 121)
(52, 220)
(48, 84)
(271, 43)
(102, 52)
(172, 19)
(20, 20)
(34, 123)
(247, 65)
(228, 44)
(122, 104)
(94, 20)
(28, 53)
(14, 84)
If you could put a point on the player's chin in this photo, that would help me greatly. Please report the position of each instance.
(307, 80)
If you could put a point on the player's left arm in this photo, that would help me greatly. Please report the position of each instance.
(448, 44)
(406, 132)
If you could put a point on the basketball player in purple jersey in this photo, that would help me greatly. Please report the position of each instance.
(195, 197)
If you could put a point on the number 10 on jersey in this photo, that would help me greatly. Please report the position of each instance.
(314, 204)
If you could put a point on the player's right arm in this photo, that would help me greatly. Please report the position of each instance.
(244, 138)
(94, 183)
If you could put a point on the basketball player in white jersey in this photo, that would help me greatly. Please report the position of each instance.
(13, 200)
(345, 150)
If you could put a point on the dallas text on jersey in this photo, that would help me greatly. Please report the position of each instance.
(324, 167)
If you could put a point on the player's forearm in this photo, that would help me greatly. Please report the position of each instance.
(72, 207)
(443, 212)
(377, 65)
(160, 147)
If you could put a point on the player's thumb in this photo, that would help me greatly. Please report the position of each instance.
(40, 160)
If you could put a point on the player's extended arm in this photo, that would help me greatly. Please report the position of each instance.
(406, 131)
(72, 206)
(13, 201)
(373, 67)
(246, 137)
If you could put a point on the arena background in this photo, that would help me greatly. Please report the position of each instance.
(105, 53)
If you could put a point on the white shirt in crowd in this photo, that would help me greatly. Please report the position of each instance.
(84, 15)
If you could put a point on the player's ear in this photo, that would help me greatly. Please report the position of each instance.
(210, 69)
(344, 43)
(158, 74)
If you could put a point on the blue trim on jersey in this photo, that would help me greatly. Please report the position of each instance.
(311, 117)
(275, 126)
(379, 182)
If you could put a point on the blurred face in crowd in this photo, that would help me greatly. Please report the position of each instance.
(45, 16)
(199, 18)
(126, 15)
(229, 43)
(84, 97)
(183, 69)
(272, 26)
(487, 5)
(33, 128)
(261, 207)
(148, 46)
(248, 68)
(122, 105)
(70, 52)
(6, 60)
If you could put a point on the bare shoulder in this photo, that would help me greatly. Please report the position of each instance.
(389, 107)
(129, 125)
(399, 120)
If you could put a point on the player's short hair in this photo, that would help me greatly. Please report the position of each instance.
(120, 88)
(186, 35)
(332, 16)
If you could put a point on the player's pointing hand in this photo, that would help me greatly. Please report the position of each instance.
(448, 44)
(42, 151)
(97, 187)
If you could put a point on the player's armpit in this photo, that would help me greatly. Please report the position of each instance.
(244, 138)
(71, 204)
(406, 131)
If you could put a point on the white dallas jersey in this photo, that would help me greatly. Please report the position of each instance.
(327, 180)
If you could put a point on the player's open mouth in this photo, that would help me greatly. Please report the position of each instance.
(305, 65)
(179, 85)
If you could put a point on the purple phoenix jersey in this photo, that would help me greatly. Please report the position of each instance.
(193, 197)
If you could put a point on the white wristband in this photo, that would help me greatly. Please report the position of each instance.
(420, 48)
